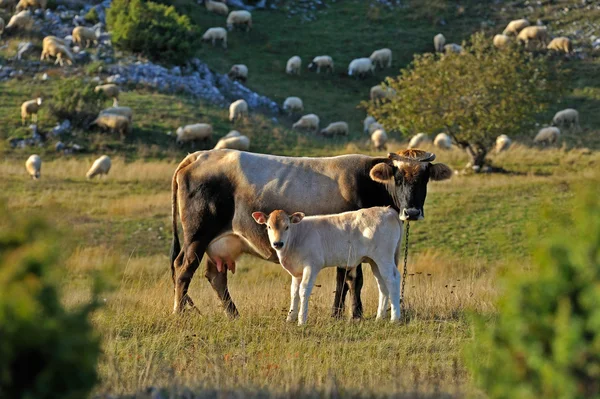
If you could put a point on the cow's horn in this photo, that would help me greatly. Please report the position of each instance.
(427, 157)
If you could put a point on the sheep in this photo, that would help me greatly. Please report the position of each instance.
(20, 21)
(321, 61)
(417, 140)
(380, 93)
(1, 27)
(233, 133)
(308, 122)
(359, 67)
(198, 131)
(52, 48)
(33, 165)
(55, 39)
(382, 58)
(375, 126)
(514, 27)
(83, 36)
(533, 33)
(442, 141)
(293, 105)
(379, 139)
(547, 135)
(239, 18)
(101, 166)
(109, 90)
(238, 72)
(566, 118)
(439, 41)
(293, 65)
(237, 110)
(214, 34)
(240, 143)
(503, 142)
(501, 41)
(123, 111)
(369, 120)
(216, 7)
(24, 4)
(453, 48)
(30, 109)
(113, 122)
(561, 44)
(335, 128)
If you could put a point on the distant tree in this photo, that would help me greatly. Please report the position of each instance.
(474, 96)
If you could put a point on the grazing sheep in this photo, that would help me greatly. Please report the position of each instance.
(216, 7)
(238, 72)
(375, 126)
(442, 141)
(561, 44)
(547, 135)
(453, 48)
(503, 142)
(101, 166)
(514, 27)
(379, 139)
(110, 90)
(233, 133)
(30, 109)
(307, 122)
(501, 41)
(239, 18)
(52, 48)
(382, 58)
(198, 131)
(25, 4)
(20, 21)
(369, 120)
(360, 67)
(123, 111)
(214, 34)
(240, 143)
(417, 140)
(439, 41)
(566, 118)
(83, 36)
(335, 129)
(113, 122)
(33, 165)
(321, 61)
(1, 27)
(293, 65)
(380, 93)
(293, 105)
(237, 110)
(533, 34)
(55, 39)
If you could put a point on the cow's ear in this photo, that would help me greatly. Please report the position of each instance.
(382, 173)
(439, 171)
(260, 217)
(296, 217)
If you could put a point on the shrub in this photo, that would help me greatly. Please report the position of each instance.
(152, 29)
(46, 351)
(545, 342)
(92, 16)
(75, 99)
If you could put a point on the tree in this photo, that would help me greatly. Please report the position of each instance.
(474, 96)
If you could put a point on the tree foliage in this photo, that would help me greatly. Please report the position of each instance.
(76, 100)
(474, 96)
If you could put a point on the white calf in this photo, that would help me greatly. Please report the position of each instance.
(305, 245)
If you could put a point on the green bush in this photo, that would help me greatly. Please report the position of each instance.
(75, 99)
(46, 351)
(154, 30)
(92, 16)
(545, 342)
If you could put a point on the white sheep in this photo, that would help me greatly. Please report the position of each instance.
(52, 48)
(501, 41)
(308, 122)
(216, 7)
(293, 65)
(83, 36)
(335, 129)
(566, 118)
(379, 139)
(214, 34)
(293, 105)
(113, 122)
(55, 39)
(233, 133)
(110, 90)
(239, 18)
(240, 143)
(503, 143)
(382, 58)
(321, 61)
(442, 141)
(547, 135)
(439, 41)
(237, 110)
(33, 165)
(453, 48)
(238, 72)
(375, 126)
(378, 92)
(20, 21)
(30, 109)
(123, 111)
(101, 166)
(533, 34)
(514, 27)
(417, 140)
(24, 4)
(561, 44)
(369, 120)
(360, 67)
(198, 131)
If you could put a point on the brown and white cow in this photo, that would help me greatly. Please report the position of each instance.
(215, 193)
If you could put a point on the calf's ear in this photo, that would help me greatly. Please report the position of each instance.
(296, 217)
(260, 217)
(439, 171)
(382, 173)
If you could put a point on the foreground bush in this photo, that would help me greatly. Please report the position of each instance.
(75, 100)
(546, 340)
(46, 351)
(154, 30)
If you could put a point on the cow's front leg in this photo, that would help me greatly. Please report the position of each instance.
(355, 281)
(218, 281)
(341, 289)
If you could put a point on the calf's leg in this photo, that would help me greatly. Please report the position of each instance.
(294, 299)
(309, 276)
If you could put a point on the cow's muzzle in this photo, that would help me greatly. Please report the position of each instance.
(278, 245)
(411, 214)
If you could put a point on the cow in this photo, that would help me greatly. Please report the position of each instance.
(215, 192)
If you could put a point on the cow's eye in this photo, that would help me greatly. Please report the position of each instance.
(287, 228)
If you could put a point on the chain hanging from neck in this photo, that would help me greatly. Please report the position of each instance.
(405, 270)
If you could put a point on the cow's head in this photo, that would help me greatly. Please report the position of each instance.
(405, 176)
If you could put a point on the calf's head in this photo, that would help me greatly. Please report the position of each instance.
(405, 176)
(278, 226)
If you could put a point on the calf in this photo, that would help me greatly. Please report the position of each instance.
(305, 245)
